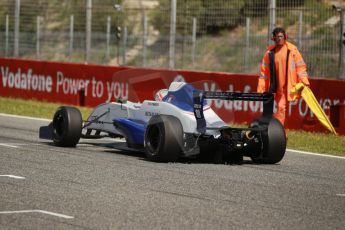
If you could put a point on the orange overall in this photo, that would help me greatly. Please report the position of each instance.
(289, 69)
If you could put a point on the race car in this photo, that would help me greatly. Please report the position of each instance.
(178, 123)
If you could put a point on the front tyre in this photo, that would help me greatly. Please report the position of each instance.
(163, 138)
(67, 126)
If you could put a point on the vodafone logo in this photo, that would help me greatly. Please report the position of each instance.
(26, 80)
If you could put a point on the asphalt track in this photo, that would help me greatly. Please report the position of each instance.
(95, 186)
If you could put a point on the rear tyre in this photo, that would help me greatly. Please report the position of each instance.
(274, 143)
(163, 139)
(67, 126)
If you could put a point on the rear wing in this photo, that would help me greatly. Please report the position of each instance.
(200, 96)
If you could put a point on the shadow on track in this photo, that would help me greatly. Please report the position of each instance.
(121, 148)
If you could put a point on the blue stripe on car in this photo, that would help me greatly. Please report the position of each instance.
(182, 98)
(133, 130)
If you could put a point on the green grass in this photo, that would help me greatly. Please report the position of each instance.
(34, 108)
(299, 140)
(317, 142)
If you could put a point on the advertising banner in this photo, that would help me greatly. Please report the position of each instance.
(90, 85)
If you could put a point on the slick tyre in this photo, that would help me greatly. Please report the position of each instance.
(67, 126)
(273, 142)
(163, 139)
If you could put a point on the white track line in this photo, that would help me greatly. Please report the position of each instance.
(38, 211)
(13, 176)
(18, 144)
(24, 117)
(7, 145)
(315, 154)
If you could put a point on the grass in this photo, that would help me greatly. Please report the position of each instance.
(317, 142)
(299, 140)
(34, 108)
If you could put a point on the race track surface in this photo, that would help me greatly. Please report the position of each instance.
(95, 186)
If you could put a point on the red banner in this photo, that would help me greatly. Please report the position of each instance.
(90, 85)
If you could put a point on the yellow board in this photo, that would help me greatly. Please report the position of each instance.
(313, 104)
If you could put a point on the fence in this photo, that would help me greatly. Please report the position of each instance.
(218, 35)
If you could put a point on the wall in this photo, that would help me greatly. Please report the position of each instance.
(90, 85)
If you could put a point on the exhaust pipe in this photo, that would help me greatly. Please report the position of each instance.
(249, 135)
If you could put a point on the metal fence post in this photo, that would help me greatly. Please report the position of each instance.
(88, 30)
(71, 37)
(118, 30)
(16, 28)
(193, 41)
(6, 35)
(172, 35)
(342, 47)
(272, 19)
(124, 61)
(300, 29)
(38, 36)
(107, 52)
(144, 40)
(246, 53)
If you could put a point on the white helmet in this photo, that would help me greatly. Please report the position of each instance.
(161, 94)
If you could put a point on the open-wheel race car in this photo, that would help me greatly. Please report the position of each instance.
(179, 123)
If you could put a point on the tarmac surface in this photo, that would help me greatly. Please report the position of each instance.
(95, 186)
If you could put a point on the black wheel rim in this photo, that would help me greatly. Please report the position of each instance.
(154, 139)
(58, 125)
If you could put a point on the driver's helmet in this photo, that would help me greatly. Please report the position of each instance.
(161, 94)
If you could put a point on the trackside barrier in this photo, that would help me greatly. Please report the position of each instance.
(90, 85)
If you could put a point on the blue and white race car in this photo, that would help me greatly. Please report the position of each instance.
(178, 123)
